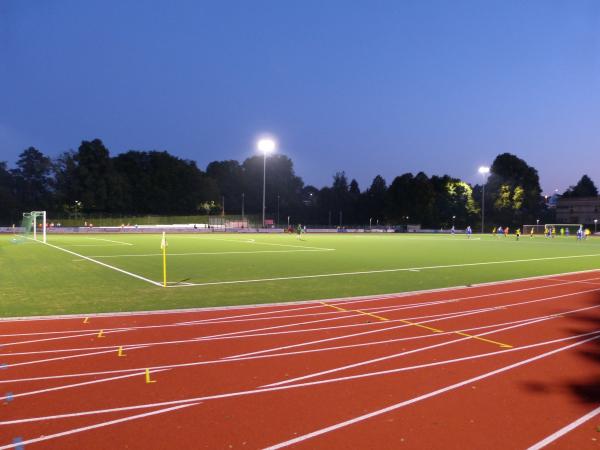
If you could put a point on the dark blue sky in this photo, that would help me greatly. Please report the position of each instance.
(369, 87)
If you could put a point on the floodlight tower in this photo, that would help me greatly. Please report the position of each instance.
(483, 170)
(266, 146)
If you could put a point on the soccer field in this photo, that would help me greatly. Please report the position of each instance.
(123, 272)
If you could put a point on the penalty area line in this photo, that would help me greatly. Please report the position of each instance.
(87, 258)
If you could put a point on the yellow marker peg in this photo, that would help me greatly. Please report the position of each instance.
(101, 334)
(120, 352)
(148, 380)
(86, 320)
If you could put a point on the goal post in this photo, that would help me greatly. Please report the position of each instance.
(560, 229)
(34, 223)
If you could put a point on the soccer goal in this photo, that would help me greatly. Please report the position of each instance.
(33, 224)
(559, 229)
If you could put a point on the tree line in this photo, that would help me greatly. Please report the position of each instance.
(91, 181)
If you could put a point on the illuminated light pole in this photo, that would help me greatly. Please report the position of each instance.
(266, 146)
(483, 170)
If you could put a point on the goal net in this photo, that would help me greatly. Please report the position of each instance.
(558, 229)
(34, 225)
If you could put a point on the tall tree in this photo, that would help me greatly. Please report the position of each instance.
(513, 192)
(8, 201)
(585, 187)
(33, 180)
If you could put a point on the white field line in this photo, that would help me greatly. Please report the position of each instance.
(255, 306)
(84, 383)
(251, 241)
(431, 394)
(403, 269)
(252, 252)
(93, 427)
(139, 277)
(566, 429)
(110, 240)
(594, 335)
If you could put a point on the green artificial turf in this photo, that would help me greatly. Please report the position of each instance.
(39, 279)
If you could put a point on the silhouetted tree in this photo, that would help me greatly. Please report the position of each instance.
(584, 188)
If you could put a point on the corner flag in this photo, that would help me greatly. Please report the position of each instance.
(163, 247)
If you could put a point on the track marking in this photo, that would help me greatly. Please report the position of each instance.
(403, 269)
(422, 397)
(489, 341)
(295, 386)
(92, 427)
(370, 314)
(566, 429)
(437, 330)
(387, 357)
(84, 383)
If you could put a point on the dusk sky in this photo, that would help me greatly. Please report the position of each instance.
(369, 87)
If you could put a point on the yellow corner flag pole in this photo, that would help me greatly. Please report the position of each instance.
(163, 246)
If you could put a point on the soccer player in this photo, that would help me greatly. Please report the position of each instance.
(494, 231)
(469, 232)
(531, 233)
(518, 233)
(452, 230)
(299, 232)
(506, 231)
(500, 231)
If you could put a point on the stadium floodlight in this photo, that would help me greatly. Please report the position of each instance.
(266, 146)
(483, 170)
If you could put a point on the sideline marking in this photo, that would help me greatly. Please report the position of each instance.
(567, 428)
(211, 253)
(367, 272)
(309, 303)
(423, 397)
(139, 277)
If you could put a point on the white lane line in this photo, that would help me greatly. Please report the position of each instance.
(371, 361)
(139, 277)
(387, 296)
(402, 269)
(211, 253)
(93, 427)
(347, 336)
(84, 383)
(253, 241)
(314, 383)
(392, 356)
(69, 336)
(431, 394)
(566, 429)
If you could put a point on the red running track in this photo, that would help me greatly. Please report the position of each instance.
(500, 366)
